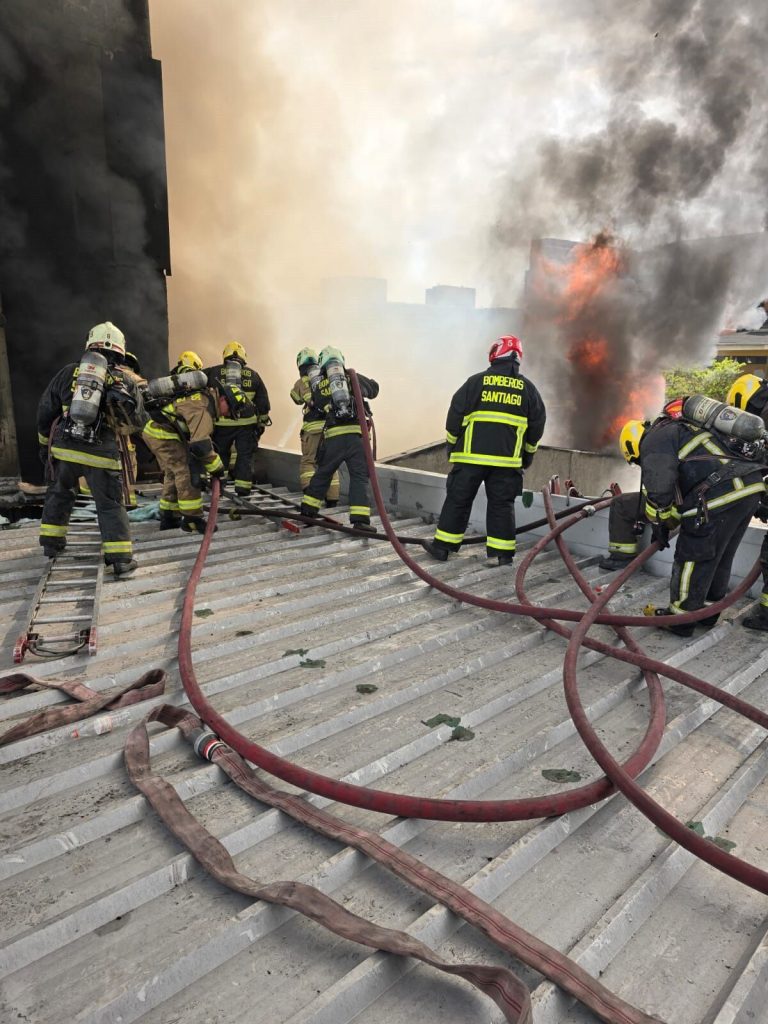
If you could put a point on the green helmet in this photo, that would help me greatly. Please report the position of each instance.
(307, 355)
(329, 353)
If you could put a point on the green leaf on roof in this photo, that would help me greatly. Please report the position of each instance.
(366, 688)
(724, 844)
(431, 723)
(312, 663)
(244, 632)
(695, 826)
(560, 775)
(462, 734)
(296, 650)
(203, 613)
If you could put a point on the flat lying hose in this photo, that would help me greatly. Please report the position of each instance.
(501, 984)
(503, 932)
(150, 685)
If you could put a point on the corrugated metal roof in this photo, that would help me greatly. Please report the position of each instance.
(106, 918)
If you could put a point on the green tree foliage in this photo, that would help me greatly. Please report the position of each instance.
(714, 380)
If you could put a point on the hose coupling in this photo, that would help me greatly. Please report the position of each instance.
(588, 510)
(205, 744)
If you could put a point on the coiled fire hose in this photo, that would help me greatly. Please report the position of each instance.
(555, 966)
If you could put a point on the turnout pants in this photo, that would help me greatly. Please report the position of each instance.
(703, 557)
(179, 493)
(502, 486)
(622, 516)
(310, 442)
(105, 486)
(345, 448)
(244, 441)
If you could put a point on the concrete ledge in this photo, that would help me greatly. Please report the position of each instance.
(419, 492)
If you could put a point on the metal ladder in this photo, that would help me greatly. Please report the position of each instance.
(68, 597)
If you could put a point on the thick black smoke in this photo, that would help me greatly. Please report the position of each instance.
(83, 221)
(677, 170)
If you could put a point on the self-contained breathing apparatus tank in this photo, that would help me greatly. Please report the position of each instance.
(83, 419)
(162, 390)
(726, 420)
(332, 365)
(233, 373)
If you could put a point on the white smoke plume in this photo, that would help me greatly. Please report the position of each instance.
(428, 142)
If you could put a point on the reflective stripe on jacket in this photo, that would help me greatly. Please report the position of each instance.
(495, 417)
(677, 458)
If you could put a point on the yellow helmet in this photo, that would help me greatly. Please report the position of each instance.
(189, 361)
(234, 350)
(629, 440)
(742, 390)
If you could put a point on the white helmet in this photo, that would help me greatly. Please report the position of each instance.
(106, 337)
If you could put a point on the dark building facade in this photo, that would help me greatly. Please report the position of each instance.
(83, 195)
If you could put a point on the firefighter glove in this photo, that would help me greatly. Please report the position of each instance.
(660, 533)
(761, 512)
(527, 459)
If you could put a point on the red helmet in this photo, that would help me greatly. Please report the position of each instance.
(674, 409)
(507, 346)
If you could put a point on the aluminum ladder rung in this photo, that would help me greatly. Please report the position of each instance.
(89, 581)
(67, 600)
(73, 568)
(70, 618)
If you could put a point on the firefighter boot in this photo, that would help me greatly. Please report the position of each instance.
(364, 527)
(169, 520)
(758, 619)
(194, 524)
(124, 569)
(436, 550)
(330, 503)
(614, 561)
(684, 629)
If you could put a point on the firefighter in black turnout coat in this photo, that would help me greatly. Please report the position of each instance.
(80, 414)
(750, 394)
(243, 413)
(494, 425)
(694, 478)
(342, 440)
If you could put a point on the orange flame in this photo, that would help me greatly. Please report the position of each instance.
(576, 297)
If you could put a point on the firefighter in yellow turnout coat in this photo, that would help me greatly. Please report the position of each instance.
(180, 428)
(314, 421)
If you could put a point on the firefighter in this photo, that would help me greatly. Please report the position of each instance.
(750, 393)
(242, 415)
(312, 426)
(342, 440)
(692, 479)
(130, 369)
(494, 425)
(179, 436)
(80, 411)
(626, 518)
